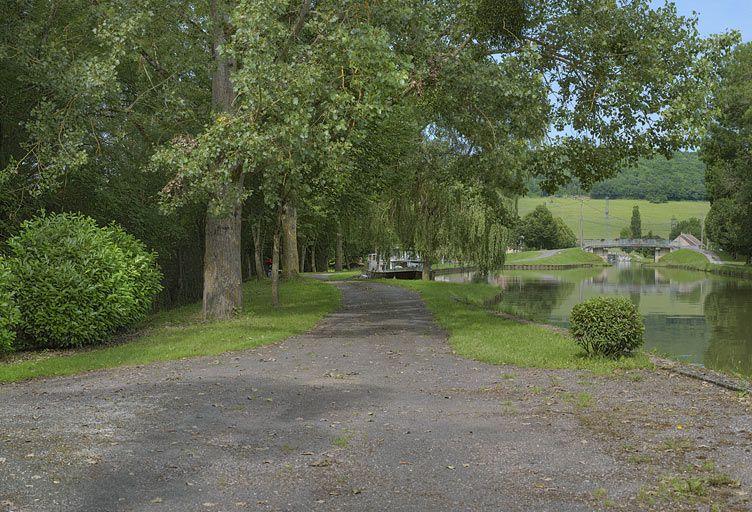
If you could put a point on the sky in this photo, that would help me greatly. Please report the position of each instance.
(718, 15)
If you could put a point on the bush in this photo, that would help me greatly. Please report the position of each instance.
(607, 326)
(77, 283)
(9, 315)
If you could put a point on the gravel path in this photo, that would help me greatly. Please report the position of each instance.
(711, 256)
(370, 411)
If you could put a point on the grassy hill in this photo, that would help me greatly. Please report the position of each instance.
(655, 216)
(685, 257)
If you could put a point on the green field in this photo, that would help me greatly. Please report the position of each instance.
(656, 217)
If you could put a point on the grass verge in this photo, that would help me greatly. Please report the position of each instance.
(335, 276)
(179, 333)
(691, 260)
(572, 256)
(478, 334)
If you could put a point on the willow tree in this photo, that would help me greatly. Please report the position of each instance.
(450, 204)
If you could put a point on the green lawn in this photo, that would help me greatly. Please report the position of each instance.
(343, 274)
(573, 256)
(728, 258)
(656, 217)
(477, 334)
(179, 333)
(694, 260)
(685, 257)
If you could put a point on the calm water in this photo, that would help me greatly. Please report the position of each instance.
(690, 316)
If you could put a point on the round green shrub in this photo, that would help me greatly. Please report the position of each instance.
(9, 314)
(607, 326)
(77, 283)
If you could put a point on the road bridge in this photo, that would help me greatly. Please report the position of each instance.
(659, 246)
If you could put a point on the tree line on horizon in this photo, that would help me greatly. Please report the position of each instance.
(657, 179)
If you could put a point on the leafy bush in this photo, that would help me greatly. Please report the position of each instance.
(9, 315)
(607, 326)
(77, 283)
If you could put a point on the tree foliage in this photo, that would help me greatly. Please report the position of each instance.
(681, 178)
(405, 123)
(657, 179)
(727, 150)
(691, 226)
(9, 314)
(635, 223)
(539, 229)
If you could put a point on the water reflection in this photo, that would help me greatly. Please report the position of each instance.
(729, 313)
(691, 316)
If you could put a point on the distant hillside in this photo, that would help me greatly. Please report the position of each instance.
(681, 178)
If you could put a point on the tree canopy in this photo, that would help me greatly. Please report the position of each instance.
(539, 229)
(656, 179)
(390, 124)
(691, 226)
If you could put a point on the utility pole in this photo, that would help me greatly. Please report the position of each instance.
(582, 230)
(608, 226)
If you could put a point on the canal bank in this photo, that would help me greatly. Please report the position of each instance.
(690, 316)
(697, 261)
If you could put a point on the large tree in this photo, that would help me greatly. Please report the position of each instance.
(728, 152)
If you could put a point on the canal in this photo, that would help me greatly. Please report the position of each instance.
(689, 316)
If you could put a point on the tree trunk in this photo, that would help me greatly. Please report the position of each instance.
(257, 252)
(322, 259)
(181, 275)
(303, 249)
(338, 257)
(426, 274)
(223, 268)
(313, 258)
(275, 267)
(291, 266)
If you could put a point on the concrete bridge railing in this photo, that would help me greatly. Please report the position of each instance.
(629, 243)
